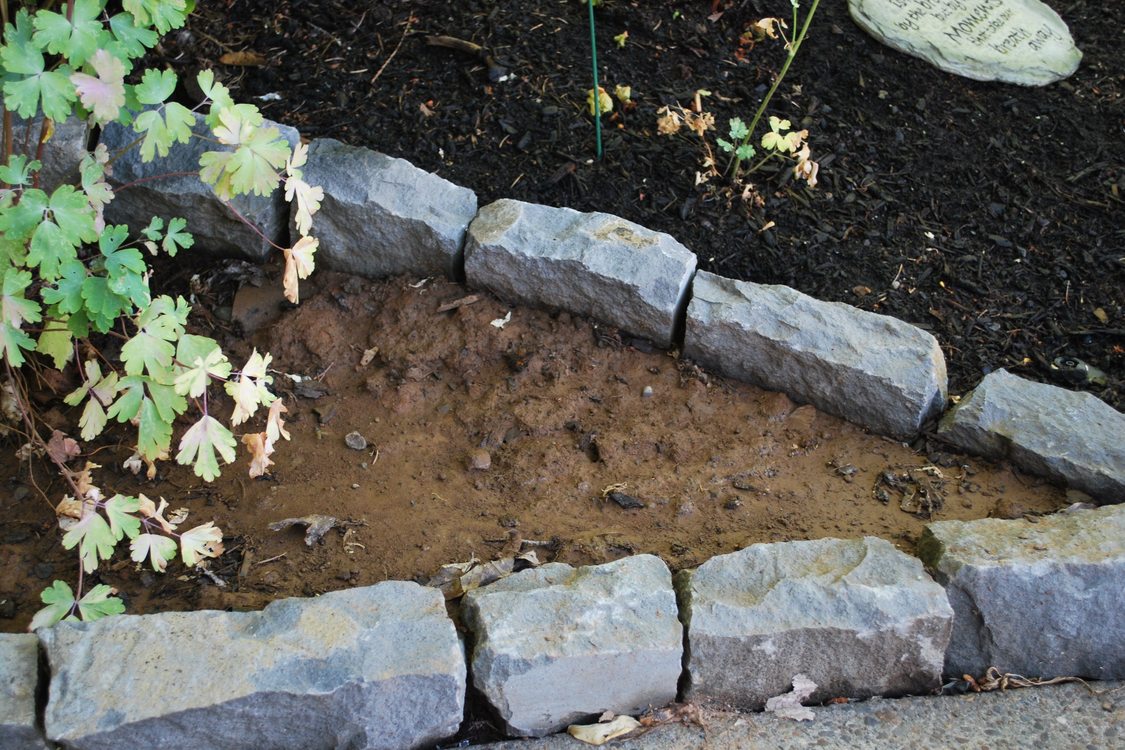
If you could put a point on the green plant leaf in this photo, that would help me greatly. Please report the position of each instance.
(59, 599)
(130, 40)
(205, 540)
(28, 83)
(198, 447)
(163, 15)
(155, 86)
(125, 268)
(76, 35)
(16, 310)
(724, 145)
(161, 130)
(103, 93)
(18, 170)
(99, 602)
(66, 294)
(12, 342)
(102, 304)
(94, 539)
(100, 391)
(738, 129)
(168, 403)
(56, 342)
(745, 151)
(122, 522)
(199, 359)
(20, 54)
(20, 220)
(253, 166)
(251, 388)
(154, 432)
(176, 238)
(50, 90)
(131, 391)
(159, 549)
(69, 221)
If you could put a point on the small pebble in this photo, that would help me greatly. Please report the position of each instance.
(355, 441)
(647, 392)
(480, 460)
(355, 486)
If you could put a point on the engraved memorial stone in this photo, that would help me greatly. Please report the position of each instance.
(1014, 41)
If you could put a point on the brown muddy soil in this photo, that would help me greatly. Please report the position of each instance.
(483, 441)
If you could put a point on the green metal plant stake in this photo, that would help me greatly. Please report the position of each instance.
(597, 90)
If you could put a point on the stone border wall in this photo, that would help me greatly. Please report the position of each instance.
(383, 666)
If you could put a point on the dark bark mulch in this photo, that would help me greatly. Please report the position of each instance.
(989, 214)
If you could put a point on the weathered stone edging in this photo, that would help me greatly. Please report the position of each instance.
(339, 665)
(381, 666)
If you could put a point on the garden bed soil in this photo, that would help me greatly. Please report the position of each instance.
(986, 213)
(486, 442)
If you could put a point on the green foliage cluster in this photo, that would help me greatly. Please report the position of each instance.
(69, 282)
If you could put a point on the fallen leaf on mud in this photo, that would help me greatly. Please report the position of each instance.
(460, 302)
(788, 706)
(62, 448)
(368, 355)
(260, 450)
(628, 502)
(350, 544)
(599, 734)
(501, 322)
(921, 489)
(457, 579)
(245, 58)
(70, 511)
(178, 516)
(683, 713)
(311, 389)
(318, 525)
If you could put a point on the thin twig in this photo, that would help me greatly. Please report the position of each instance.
(405, 31)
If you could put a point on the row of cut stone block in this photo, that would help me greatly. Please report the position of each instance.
(383, 216)
(382, 666)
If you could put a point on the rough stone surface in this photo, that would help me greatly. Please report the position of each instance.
(1015, 41)
(1070, 436)
(870, 369)
(856, 616)
(383, 216)
(61, 154)
(216, 229)
(19, 675)
(1043, 599)
(556, 645)
(375, 667)
(588, 263)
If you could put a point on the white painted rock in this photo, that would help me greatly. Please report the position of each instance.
(1014, 41)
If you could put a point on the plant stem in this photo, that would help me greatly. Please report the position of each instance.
(794, 46)
(597, 89)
